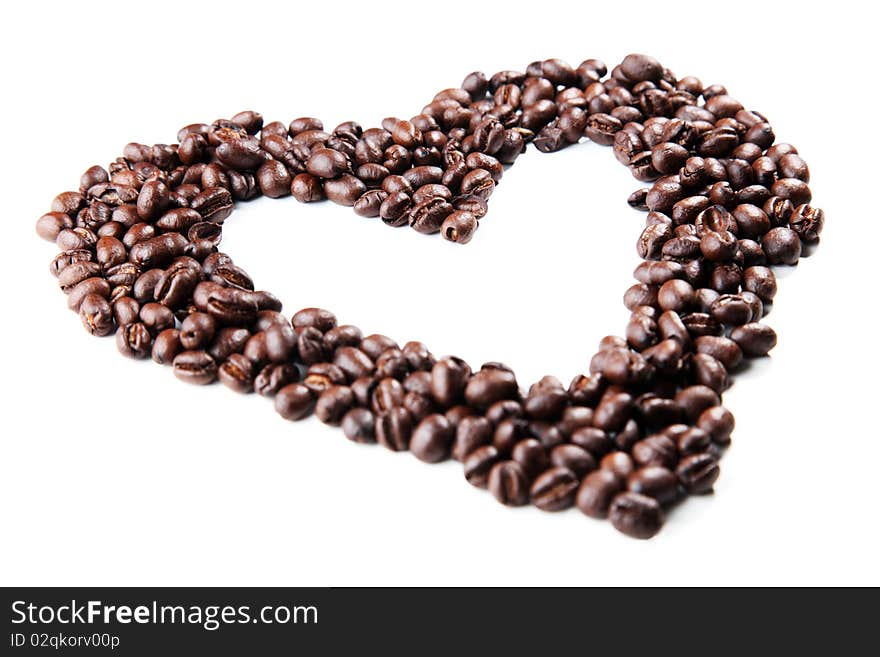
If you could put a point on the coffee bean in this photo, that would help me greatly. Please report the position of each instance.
(237, 373)
(698, 472)
(508, 483)
(273, 378)
(554, 489)
(656, 482)
(470, 434)
(755, 339)
(618, 463)
(333, 403)
(394, 428)
(96, 315)
(294, 401)
(195, 367)
(596, 492)
(636, 515)
(718, 422)
(166, 346)
(782, 246)
(573, 458)
(490, 385)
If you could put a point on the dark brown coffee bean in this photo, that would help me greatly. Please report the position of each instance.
(166, 346)
(156, 317)
(657, 449)
(755, 339)
(656, 482)
(782, 246)
(636, 515)
(226, 341)
(432, 439)
(596, 492)
(237, 373)
(394, 428)
(294, 401)
(490, 385)
(333, 403)
(718, 422)
(508, 483)
(195, 367)
(573, 458)
(554, 489)
(698, 472)
(96, 315)
(273, 378)
(618, 463)
(358, 426)
(471, 433)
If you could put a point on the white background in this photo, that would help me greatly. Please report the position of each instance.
(113, 472)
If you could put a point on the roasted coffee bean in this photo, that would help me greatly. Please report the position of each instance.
(394, 428)
(195, 367)
(344, 190)
(156, 317)
(731, 309)
(96, 315)
(428, 216)
(317, 318)
(125, 310)
(724, 350)
(274, 179)
(618, 463)
(698, 472)
(508, 432)
(273, 378)
(333, 403)
(782, 246)
(636, 515)
(294, 401)
(472, 432)
(306, 188)
(134, 340)
(545, 404)
(596, 492)
(807, 222)
(166, 346)
(755, 339)
(508, 483)
(237, 373)
(90, 286)
(657, 449)
(478, 463)
(531, 455)
(197, 330)
(554, 489)
(490, 385)
(280, 343)
(654, 481)
(226, 341)
(227, 305)
(459, 226)
(594, 440)
(718, 422)
(432, 439)
(370, 203)
(358, 426)
(573, 458)
(213, 204)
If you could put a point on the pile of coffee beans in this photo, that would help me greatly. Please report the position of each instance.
(645, 428)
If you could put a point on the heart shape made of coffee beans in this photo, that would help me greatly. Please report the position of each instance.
(641, 431)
